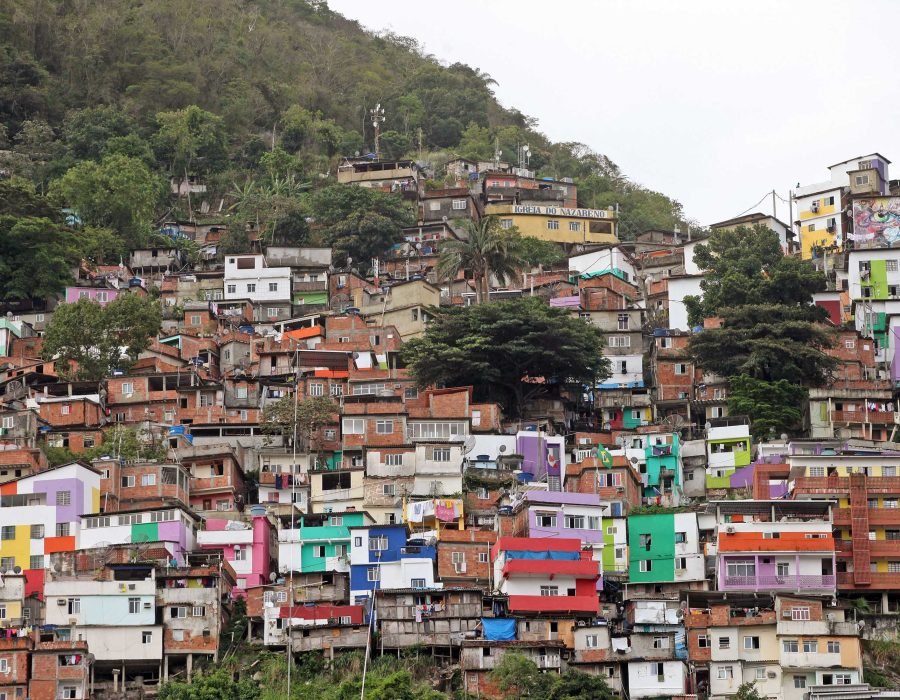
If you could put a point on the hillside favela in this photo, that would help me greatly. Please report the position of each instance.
(326, 373)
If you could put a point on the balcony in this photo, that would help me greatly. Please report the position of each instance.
(877, 548)
(802, 659)
(554, 604)
(840, 485)
(877, 417)
(780, 583)
(318, 286)
(248, 400)
(877, 516)
(583, 568)
(878, 581)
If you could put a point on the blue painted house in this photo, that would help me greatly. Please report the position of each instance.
(383, 556)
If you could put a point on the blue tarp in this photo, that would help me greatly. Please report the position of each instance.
(499, 629)
(558, 556)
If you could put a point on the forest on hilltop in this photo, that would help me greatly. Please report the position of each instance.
(261, 99)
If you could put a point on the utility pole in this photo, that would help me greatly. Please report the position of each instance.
(774, 213)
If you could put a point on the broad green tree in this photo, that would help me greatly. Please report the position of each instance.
(775, 407)
(36, 258)
(88, 341)
(510, 351)
(119, 192)
(309, 415)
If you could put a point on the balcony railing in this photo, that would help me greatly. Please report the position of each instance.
(841, 485)
(791, 582)
(878, 581)
(880, 417)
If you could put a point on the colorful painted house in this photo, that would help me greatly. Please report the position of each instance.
(546, 574)
(246, 546)
(784, 546)
(664, 547)
(174, 528)
(662, 478)
(615, 547)
(41, 514)
(381, 557)
(728, 448)
(317, 542)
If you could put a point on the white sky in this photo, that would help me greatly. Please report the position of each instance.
(712, 102)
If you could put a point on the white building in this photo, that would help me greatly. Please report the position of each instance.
(655, 679)
(606, 259)
(248, 277)
(678, 289)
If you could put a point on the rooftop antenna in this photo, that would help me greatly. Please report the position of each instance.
(377, 113)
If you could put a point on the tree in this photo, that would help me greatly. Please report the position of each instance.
(774, 407)
(218, 683)
(119, 192)
(311, 414)
(393, 145)
(190, 140)
(510, 351)
(36, 258)
(86, 132)
(359, 222)
(517, 676)
(88, 341)
(748, 691)
(538, 253)
(486, 251)
(770, 329)
(575, 685)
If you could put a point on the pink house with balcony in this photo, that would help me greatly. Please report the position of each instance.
(246, 546)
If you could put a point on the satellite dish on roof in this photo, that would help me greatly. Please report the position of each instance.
(634, 460)
(17, 569)
(501, 449)
(469, 444)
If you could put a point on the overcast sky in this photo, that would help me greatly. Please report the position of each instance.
(713, 103)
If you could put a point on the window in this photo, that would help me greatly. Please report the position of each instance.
(483, 558)
(127, 481)
(591, 641)
(337, 389)
(680, 368)
(761, 673)
(273, 286)
(178, 612)
(703, 641)
(680, 537)
(384, 427)
(800, 613)
(575, 522)
(357, 541)
(751, 643)
(8, 532)
(620, 341)
(134, 606)
(790, 646)
(148, 479)
(724, 642)
(726, 673)
(799, 681)
(553, 225)
(69, 692)
(378, 543)
(741, 568)
(836, 679)
(146, 637)
(316, 389)
(200, 610)
(545, 519)
(459, 204)
(594, 522)
(353, 426)
(36, 561)
(231, 289)
(680, 563)
(506, 223)
(4, 666)
(782, 569)
(73, 606)
(440, 454)
(549, 591)
(660, 642)
(418, 583)
(251, 288)
(812, 227)
(240, 554)
(645, 565)
(862, 179)
(817, 471)
(660, 669)
(574, 226)
(393, 460)
(373, 573)
(893, 567)
(62, 529)
(889, 503)
(810, 646)
(834, 647)
(63, 498)
(319, 551)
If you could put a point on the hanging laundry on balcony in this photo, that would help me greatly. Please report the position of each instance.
(661, 450)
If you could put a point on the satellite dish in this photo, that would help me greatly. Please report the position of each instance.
(469, 444)
(273, 576)
(708, 425)
(501, 449)
(17, 569)
(634, 460)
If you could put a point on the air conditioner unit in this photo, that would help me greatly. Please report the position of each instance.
(61, 602)
(772, 674)
(786, 613)
(584, 441)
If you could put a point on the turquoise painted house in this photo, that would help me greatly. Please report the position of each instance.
(319, 542)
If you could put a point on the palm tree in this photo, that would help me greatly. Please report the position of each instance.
(488, 250)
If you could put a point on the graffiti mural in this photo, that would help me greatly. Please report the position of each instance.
(877, 221)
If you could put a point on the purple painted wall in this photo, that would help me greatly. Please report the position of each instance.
(766, 578)
(895, 360)
(64, 514)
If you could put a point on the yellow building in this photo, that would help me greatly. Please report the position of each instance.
(558, 224)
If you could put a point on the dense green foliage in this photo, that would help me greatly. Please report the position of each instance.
(510, 351)
(771, 338)
(100, 103)
(517, 676)
(87, 340)
(119, 441)
(309, 415)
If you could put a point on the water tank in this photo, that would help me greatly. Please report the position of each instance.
(135, 282)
